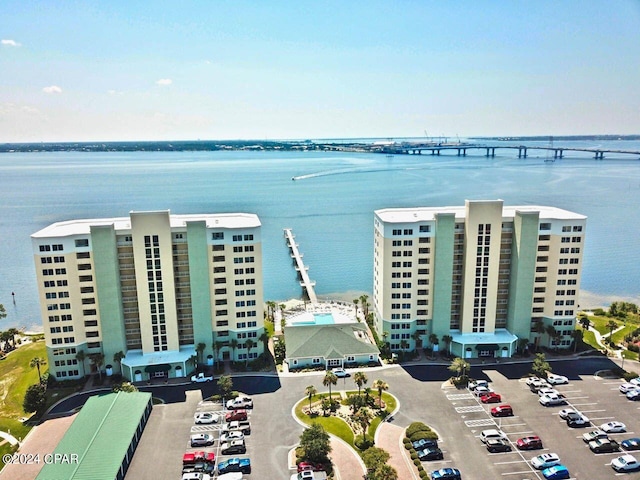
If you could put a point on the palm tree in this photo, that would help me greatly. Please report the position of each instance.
(199, 350)
(585, 322)
(380, 385)
(416, 337)
(97, 359)
(460, 366)
(404, 344)
(355, 303)
(310, 391)
(217, 346)
(447, 339)
(611, 325)
(363, 418)
(365, 305)
(80, 356)
(234, 344)
(329, 379)
(264, 338)
(539, 328)
(360, 379)
(271, 310)
(36, 362)
(551, 332)
(522, 344)
(433, 340)
(250, 344)
(577, 336)
(13, 332)
(117, 358)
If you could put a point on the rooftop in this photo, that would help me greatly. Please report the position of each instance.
(328, 341)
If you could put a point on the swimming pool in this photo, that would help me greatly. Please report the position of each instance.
(316, 319)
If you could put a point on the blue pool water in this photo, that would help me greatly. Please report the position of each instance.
(318, 319)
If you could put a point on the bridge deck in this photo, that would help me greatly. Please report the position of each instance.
(306, 282)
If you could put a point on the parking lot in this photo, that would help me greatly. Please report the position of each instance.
(597, 398)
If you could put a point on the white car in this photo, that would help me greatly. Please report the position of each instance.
(478, 383)
(240, 402)
(531, 380)
(549, 400)
(545, 460)
(231, 435)
(627, 387)
(201, 378)
(554, 379)
(594, 435)
(565, 412)
(613, 427)
(635, 381)
(206, 417)
(548, 391)
(625, 463)
(480, 391)
(492, 433)
(341, 372)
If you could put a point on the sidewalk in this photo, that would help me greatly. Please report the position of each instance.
(346, 462)
(389, 437)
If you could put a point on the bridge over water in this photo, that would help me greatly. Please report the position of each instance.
(490, 150)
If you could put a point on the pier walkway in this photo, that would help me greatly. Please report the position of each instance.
(306, 283)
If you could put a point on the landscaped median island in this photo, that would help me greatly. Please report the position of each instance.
(422, 444)
(352, 416)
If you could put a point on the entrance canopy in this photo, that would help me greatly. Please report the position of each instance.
(487, 347)
(163, 367)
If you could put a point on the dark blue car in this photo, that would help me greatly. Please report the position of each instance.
(557, 472)
(235, 465)
(446, 474)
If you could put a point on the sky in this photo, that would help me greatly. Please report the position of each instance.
(167, 70)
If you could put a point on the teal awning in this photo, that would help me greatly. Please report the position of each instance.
(487, 347)
(162, 367)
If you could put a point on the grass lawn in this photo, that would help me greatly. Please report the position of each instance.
(590, 339)
(600, 323)
(618, 337)
(17, 376)
(629, 355)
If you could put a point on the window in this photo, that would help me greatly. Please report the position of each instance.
(545, 226)
(248, 238)
(577, 228)
(425, 228)
(566, 228)
(217, 236)
(82, 242)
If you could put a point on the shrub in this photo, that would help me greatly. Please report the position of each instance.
(632, 347)
(424, 475)
(416, 462)
(414, 455)
(599, 312)
(406, 441)
(416, 426)
(408, 446)
(363, 443)
(629, 375)
(426, 434)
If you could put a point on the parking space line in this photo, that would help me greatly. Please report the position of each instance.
(460, 396)
(502, 425)
(520, 473)
(524, 432)
(513, 461)
(579, 404)
(472, 408)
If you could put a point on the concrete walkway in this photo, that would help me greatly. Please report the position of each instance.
(9, 438)
(389, 437)
(347, 464)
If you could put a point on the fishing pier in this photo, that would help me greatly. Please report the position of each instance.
(305, 282)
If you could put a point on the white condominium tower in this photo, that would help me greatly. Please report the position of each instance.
(154, 293)
(486, 277)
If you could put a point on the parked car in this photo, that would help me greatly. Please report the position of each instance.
(557, 472)
(577, 420)
(314, 467)
(478, 383)
(446, 474)
(491, 433)
(604, 445)
(502, 411)
(195, 476)
(432, 453)
(554, 379)
(532, 442)
(235, 465)
(498, 445)
(240, 402)
(201, 378)
(243, 426)
(230, 476)
(341, 372)
(550, 400)
(594, 435)
(195, 457)
(308, 475)
(491, 398)
(545, 460)
(635, 381)
(625, 463)
(425, 443)
(548, 391)
(480, 391)
(231, 435)
(233, 447)
(626, 387)
(531, 380)
(206, 417)
(633, 395)
(613, 427)
(238, 415)
(536, 385)
(564, 413)
(202, 440)
(631, 444)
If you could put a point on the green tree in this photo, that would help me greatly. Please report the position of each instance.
(315, 444)
(97, 359)
(329, 379)
(117, 358)
(124, 387)
(381, 386)
(539, 328)
(433, 340)
(364, 301)
(355, 304)
(250, 344)
(611, 325)
(551, 333)
(217, 346)
(585, 322)
(363, 418)
(38, 362)
(35, 398)
(374, 456)
(360, 379)
(225, 386)
(199, 351)
(233, 344)
(447, 339)
(264, 338)
(540, 366)
(577, 337)
(81, 356)
(404, 345)
(522, 344)
(459, 366)
(310, 391)
(417, 337)
(383, 472)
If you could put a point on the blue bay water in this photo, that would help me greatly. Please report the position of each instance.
(330, 208)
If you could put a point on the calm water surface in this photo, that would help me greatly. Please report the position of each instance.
(330, 208)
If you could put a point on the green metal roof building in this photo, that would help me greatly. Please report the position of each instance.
(100, 442)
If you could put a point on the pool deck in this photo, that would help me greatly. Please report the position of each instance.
(340, 313)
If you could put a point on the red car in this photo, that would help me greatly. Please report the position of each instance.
(491, 398)
(314, 467)
(502, 411)
(529, 443)
(236, 415)
(199, 456)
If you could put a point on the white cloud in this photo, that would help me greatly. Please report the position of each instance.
(115, 92)
(52, 89)
(164, 81)
(11, 43)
